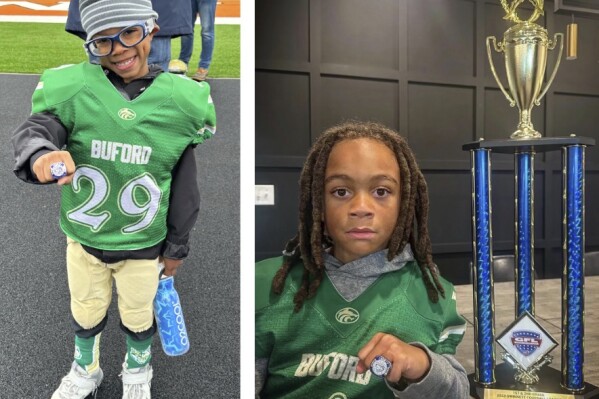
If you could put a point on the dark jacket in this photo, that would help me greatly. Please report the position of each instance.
(73, 24)
(173, 17)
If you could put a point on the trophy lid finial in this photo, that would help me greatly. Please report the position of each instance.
(511, 14)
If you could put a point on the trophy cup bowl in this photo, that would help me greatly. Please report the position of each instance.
(525, 47)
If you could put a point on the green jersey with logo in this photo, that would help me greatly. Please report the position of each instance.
(313, 353)
(124, 151)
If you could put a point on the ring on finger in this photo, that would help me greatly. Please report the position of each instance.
(380, 366)
(58, 170)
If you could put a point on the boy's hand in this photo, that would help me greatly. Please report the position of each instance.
(408, 361)
(41, 167)
(170, 265)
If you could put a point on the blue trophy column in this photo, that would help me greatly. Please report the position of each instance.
(573, 278)
(484, 329)
(524, 233)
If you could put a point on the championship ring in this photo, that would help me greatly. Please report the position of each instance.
(380, 366)
(58, 170)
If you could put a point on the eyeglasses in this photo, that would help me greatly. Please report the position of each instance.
(128, 37)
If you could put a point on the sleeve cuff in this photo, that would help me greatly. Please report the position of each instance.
(440, 379)
(24, 165)
(174, 251)
(34, 158)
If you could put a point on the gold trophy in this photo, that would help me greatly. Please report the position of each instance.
(525, 48)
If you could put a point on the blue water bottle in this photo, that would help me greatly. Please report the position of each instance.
(169, 318)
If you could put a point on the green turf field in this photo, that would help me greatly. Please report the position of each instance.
(33, 47)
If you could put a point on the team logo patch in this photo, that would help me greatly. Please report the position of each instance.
(347, 316)
(77, 353)
(338, 395)
(527, 342)
(126, 114)
(140, 357)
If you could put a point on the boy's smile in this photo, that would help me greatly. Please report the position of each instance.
(126, 64)
(361, 197)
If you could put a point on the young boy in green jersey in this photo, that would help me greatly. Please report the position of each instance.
(119, 138)
(356, 292)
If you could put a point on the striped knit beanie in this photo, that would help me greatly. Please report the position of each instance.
(97, 15)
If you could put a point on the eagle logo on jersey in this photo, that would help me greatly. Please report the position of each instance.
(127, 114)
(347, 316)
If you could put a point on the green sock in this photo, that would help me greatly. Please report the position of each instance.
(138, 352)
(87, 352)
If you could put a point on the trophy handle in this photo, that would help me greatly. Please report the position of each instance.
(551, 46)
(499, 49)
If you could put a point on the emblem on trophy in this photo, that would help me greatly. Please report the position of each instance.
(525, 47)
(527, 345)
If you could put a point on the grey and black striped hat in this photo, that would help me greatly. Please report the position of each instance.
(97, 15)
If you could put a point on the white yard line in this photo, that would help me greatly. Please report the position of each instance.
(59, 6)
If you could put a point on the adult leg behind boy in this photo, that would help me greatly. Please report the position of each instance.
(207, 10)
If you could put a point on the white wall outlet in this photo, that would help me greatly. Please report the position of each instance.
(265, 194)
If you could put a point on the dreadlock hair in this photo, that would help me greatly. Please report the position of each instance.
(411, 224)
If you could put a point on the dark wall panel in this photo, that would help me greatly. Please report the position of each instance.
(350, 27)
(354, 98)
(436, 43)
(503, 206)
(282, 30)
(440, 117)
(449, 191)
(282, 113)
(277, 224)
(554, 266)
(454, 266)
(586, 109)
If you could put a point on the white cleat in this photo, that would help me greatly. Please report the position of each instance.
(78, 384)
(137, 382)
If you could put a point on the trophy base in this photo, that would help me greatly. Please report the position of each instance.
(548, 388)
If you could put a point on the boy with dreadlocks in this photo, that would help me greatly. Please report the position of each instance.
(356, 292)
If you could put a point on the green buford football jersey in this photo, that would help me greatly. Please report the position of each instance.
(313, 353)
(124, 151)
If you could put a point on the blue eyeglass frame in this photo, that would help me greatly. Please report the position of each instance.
(146, 31)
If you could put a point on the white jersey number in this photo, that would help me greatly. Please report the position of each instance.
(85, 213)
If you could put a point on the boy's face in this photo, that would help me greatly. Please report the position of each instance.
(129, 63)
(361, 197)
